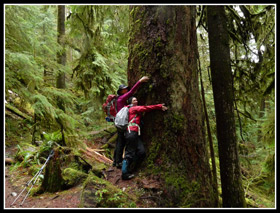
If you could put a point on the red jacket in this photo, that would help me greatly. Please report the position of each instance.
(139, 110)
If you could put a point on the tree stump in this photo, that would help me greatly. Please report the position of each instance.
(53, 180)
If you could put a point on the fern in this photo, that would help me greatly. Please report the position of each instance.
(100, 62)
(54, 94)
(23, 70)
(42, 107)
(66, 120)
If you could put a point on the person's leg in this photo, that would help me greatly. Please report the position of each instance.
(140, 153)
(115, 151)
(131, 146)
(120, 144)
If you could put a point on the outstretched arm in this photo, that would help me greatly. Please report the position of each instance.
(139, 109)
(134, 88)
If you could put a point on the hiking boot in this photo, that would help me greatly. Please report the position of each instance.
(127, 176)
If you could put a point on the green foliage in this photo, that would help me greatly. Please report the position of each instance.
(26, 154)
(31, 47)
(268, 128)
(252, 44)
(22, 72)
(96, 46)
(96, 39)
(42, 107)
(100, 63)
(52, 137)
(253, 51)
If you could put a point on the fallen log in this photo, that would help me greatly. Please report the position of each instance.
(111, 142)
(93, 153)
(9, 161)
(18, 112)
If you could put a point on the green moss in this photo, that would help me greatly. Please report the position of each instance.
(73, 140)
(150, 88)
(153, 153)
(101, 134)
(176, 123)
(101, 193)
(137, 21)
(162, 159)
(18, 112)
(181, 191)
(32, 170)
(134, 11)
(113, 139)
(72, 176)
(97, 168)
(74, 165)
(159, 42)
(167, 21)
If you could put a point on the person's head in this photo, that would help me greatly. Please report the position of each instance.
(132, 100)
(122, 89)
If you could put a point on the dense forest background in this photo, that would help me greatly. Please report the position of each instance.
(41, 113)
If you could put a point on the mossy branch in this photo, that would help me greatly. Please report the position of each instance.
(18, 112)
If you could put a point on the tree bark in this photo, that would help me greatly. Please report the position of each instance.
(232, 190)
(61, 59)
(211, 146)
(53, 180)
(61, 55)
(261, 114)
(163, 46)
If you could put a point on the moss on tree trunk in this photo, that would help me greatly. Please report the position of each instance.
(53, 180)
(163, 46)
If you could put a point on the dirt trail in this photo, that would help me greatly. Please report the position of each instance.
(63, 199)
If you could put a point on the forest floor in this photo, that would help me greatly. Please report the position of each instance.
(70, 198)
(146, 188)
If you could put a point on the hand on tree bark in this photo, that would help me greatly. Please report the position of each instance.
(164, 108)
(144, 79)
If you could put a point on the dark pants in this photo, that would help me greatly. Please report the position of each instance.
(120, 144)
(134, 151)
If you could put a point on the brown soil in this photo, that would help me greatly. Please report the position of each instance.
(63, 199)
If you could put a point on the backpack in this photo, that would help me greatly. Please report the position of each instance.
(110, 107)
(121, 119)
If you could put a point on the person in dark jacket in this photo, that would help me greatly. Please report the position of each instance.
(135, 151)
(124, 92)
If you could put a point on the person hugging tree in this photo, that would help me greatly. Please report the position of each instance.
(135, 151)
(124, 92)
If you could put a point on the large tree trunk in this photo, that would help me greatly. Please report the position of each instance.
(61, 55)
(232, 190)
(61, 59)
(163, 46)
